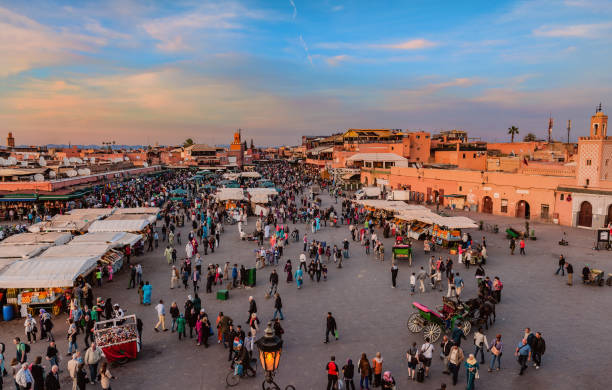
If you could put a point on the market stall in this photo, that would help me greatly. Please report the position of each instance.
(75, 223)
(21, 252)
(118, 338)
(104, 254)
(125, 217)
(131, 225)
(43, 282)
(53, 238)
(138, 210)
(114, 239)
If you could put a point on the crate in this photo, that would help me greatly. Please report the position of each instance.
(223, 295)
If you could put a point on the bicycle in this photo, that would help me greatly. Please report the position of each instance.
(233, 377)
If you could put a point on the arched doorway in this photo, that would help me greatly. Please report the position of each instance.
(365, 181)
(487, 205)
(609, 218)
(585, 215)
(523, 210)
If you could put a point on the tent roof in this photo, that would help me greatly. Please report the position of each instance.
(46, 272)
(128, 217)
(250, 174)
(56, 238)
(115, 239)
(132, 225)
(70, 250)
(230, 194)
(137, 210)
(23, 251)
(91, 211)
(435, 219)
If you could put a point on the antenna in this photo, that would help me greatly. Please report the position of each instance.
(569, 128)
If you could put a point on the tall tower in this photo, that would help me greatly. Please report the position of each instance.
(569, 128)
(10, 141)
(599, 124)
(550, 126)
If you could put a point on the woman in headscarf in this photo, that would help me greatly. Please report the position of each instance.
(471, 365)
(388, 382)
(365, 370)
(288, 270)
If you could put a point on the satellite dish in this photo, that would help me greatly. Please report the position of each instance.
(42, 162)
(71, 173)
(52, 174)
(81, 172)
(73, 160)
(126, 158)
(26, 156)
(39, 177)
(24, 163)
(66, 161)
(93, 160)
(146, 164)
(87, 171)
(79, 161)
(12, 160)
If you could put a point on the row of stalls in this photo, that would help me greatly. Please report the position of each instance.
(39, 269)
(444, 231)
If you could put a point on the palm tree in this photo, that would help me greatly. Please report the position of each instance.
(188, 142)
(513, 131)
(530, 137)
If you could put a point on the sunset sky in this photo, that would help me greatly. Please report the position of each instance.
(145, 72)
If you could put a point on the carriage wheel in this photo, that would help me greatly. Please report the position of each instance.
(433, 331)
(609, 281)
(466, 326)
(231, 379)
(415, 323)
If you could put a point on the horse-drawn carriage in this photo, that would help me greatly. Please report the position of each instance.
(433, 322)
(402, 249)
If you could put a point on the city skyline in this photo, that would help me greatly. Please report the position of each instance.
(141, 73)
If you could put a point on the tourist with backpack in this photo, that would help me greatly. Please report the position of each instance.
(22, 350)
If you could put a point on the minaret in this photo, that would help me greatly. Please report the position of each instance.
(550, 126)
(10, 141)
(599, 124)
(569, 128)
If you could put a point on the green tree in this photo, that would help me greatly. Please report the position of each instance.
(513, 131)
(188, 142)
(530, 137)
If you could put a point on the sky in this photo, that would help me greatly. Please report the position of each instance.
(159, 72)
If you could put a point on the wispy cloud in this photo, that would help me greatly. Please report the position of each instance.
(303, 43)
(93, 26)
(594, 30)
(336, 60)
(411, 44)
(26, 44)
(337, 8)
(294, 8)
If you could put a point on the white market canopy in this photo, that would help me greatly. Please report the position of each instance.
(389, 205)
(431, 218)
(24, 251)
(253, 174)
(55, 238)
(100, 212)
(137, 210)
(66, 223)
(46, 272)
(230, 194)
(114, 239)
(261, 195)
(5, 263)
(132, 225)
(126, 217)
(71, 250)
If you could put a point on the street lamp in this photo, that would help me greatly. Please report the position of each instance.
(270, 349)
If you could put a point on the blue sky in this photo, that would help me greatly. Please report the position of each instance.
(146, 72)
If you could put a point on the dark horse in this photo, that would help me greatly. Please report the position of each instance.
(485, 308)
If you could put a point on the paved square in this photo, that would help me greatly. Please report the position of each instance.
(372, 316)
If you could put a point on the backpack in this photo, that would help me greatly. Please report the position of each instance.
(420, 376)
(27, 347)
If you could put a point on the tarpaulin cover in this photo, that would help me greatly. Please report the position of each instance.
(133, 225)
(21, 251)
(230, 194)
(71, 250)
(137, 210)
(55, 238)
(114, 239)
(46, 272)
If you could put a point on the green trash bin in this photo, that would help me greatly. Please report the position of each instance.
(223, 295)
(251, 277)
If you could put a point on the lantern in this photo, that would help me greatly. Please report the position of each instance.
(270, 349)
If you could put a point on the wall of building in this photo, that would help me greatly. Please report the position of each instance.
(518, 148)
(589, 159)
(417, 146)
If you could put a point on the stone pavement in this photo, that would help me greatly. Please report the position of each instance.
(372, 316)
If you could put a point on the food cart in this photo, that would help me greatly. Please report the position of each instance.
(402, 249)
(49, 299)
(118, 338)
(603, 240)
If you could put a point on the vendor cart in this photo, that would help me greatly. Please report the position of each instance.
(118, 338)
(603, 240)
(402, 249)
(48, 299)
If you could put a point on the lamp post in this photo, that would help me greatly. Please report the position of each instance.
(270, 349)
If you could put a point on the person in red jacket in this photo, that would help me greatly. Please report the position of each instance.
(332, 374)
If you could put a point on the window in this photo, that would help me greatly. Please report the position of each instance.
(562, 196)
(588, 162)
(607, 161)
(460, 188)
(474, 155)
(418, 136)
(463, 155)
(544, 211)
(391, 147)
(426, 137)
(504, 205)
(418, 159)
(588, 182)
